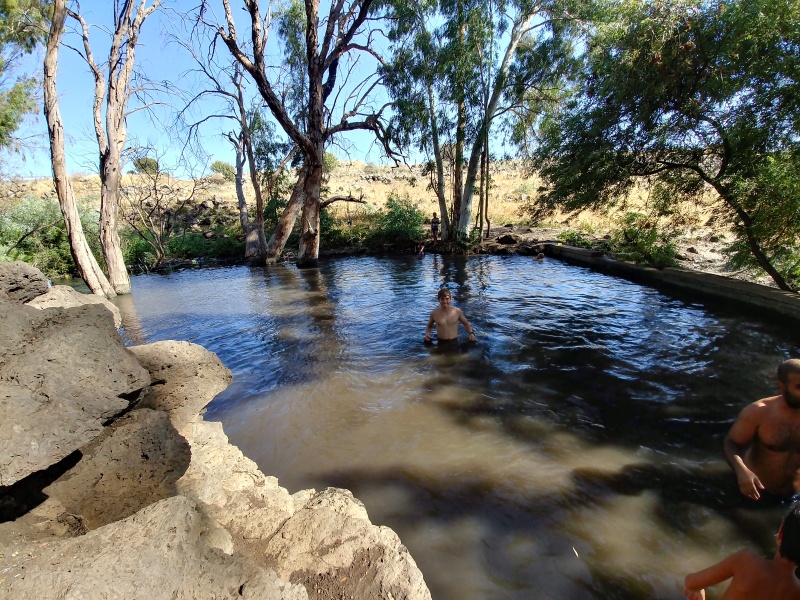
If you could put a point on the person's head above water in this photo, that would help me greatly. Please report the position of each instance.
(788, 367)
(789, 535)
(443, 293)
(789, 381)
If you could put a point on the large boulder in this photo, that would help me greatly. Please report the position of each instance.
(135, 462)
(64, 374)
(63, 296)
(158, 553)
(330, 543)
(20, 282)
(185, 376)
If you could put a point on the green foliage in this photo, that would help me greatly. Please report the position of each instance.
(15, 103)
(227, 170)
(195, 245)
(32, 230)
(21, 29)
(687, 95)
(640, 239)
(400, 222)
(775, 190)
(146, 165)
(575, 238)
(329, 163)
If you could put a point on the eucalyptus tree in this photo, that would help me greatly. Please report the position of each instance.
(303, 89)
(85, 262)
(113, 87)
(223, 79)
(457, 65)
(690, 96)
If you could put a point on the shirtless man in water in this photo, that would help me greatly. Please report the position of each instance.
(446, 318)
(763, 446)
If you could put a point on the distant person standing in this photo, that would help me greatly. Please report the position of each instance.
(435, 227)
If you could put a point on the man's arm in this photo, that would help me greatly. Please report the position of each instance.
(695, 583)
(466, 324)
(739, 438)
(428, 329)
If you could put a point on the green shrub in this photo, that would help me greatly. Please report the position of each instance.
(32, 230)
(227, 170)
(640, 239)
(575, 238)
(400, 222)
(193, 245)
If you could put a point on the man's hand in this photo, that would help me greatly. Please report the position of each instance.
(427, 339)
(749, 483)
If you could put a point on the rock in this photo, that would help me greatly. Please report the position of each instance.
(330, 543)
(66, 297)
(20, 282)
(309, 538)
(158, 553)
(63, 374)
(508, 239)
(135, 462)
(185, 376)
(692, 250)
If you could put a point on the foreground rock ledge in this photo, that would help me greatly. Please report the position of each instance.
(157, 503)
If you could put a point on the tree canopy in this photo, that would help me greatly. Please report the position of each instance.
(21, 29)
(689, 96)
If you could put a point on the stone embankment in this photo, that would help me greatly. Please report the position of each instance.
(113, 486)
(766, 300)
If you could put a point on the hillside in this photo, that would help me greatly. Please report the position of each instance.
(700, 242)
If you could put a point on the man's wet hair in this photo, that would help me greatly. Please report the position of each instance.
(442, 293)
(787, 368)
(790, 540)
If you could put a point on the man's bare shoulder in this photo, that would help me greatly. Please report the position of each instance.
(763, 405)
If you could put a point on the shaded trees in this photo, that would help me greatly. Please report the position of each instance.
(690, 96)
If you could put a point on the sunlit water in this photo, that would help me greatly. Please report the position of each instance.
(573, 452)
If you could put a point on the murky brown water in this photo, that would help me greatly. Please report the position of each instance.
(573, 452)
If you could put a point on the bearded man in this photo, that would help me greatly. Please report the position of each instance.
(763, 446)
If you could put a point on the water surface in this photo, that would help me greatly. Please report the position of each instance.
(573, 452)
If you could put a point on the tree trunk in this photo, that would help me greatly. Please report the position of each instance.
(308, 251)
(109, 222)
(499, 85)
(755, 247)
(87, 265)
(437, 153)
(252, 247)
(287, 220)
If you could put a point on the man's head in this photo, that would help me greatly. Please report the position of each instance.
(789, 535)
(434, 215)
(789, 381)
(444, 296)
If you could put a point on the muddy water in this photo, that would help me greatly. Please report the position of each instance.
(574, 451)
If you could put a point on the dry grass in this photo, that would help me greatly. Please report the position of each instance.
(511, 190)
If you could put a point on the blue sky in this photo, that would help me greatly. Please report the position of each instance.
(162, 60)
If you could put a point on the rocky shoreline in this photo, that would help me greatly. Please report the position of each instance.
(112, 485)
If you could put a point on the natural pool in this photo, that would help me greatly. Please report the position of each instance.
(573, 452)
